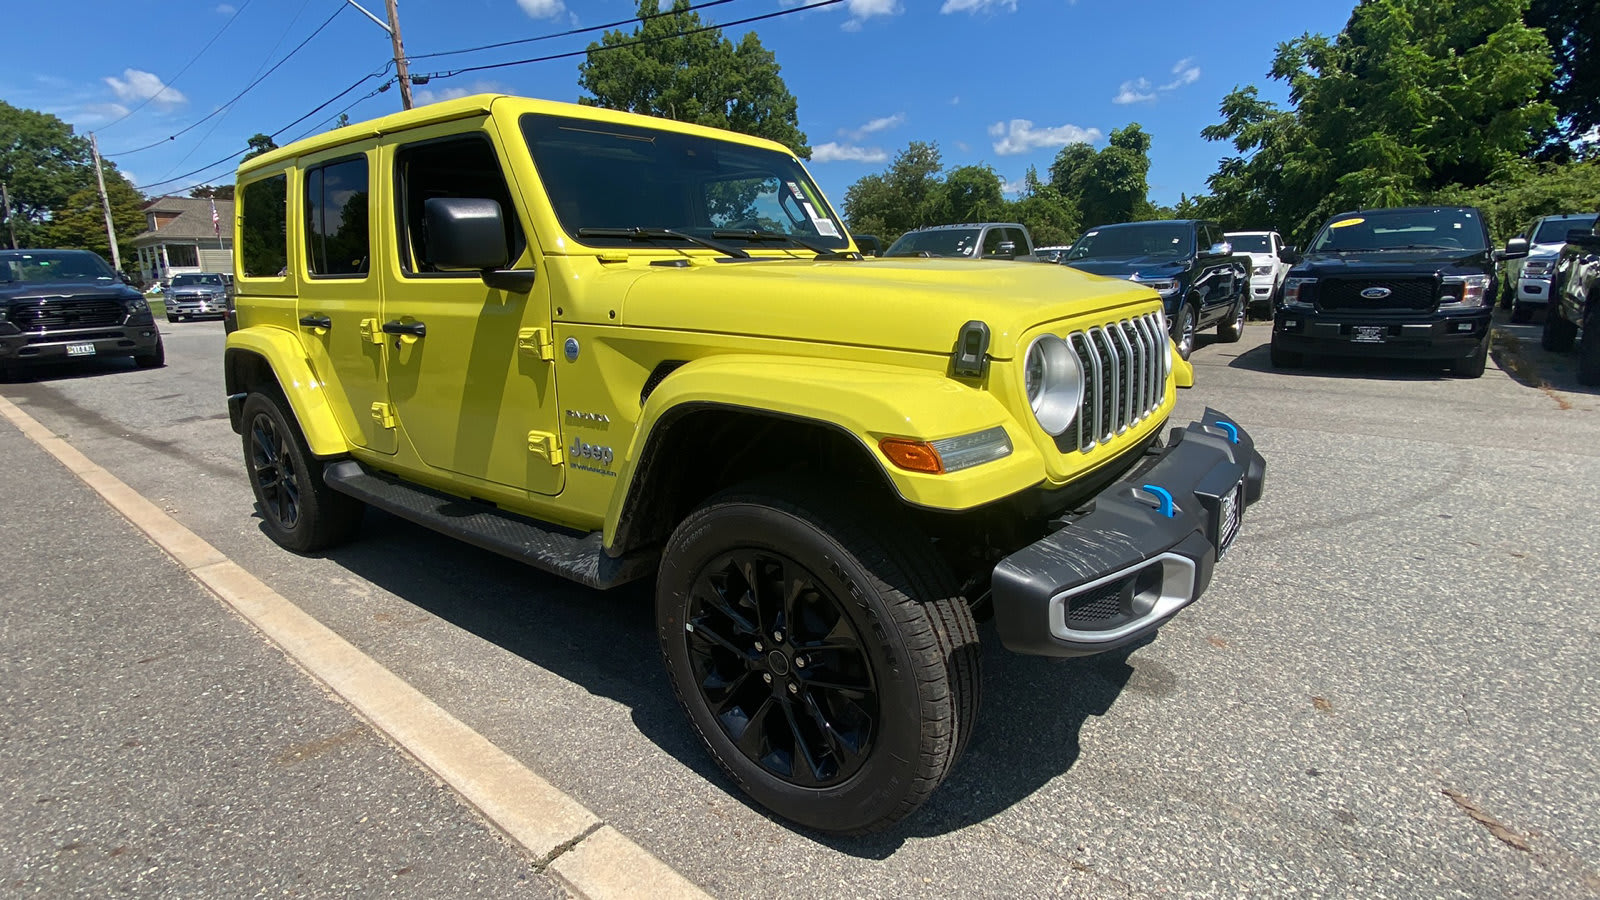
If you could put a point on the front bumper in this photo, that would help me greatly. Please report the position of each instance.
(1533, 291)
(1113, 576)
(1437, 335)
(197, 306)
(137, 337)
(1262, 288)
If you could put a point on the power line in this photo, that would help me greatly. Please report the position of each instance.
(634, 43)
(570, 32)
(169, 83)
(195, 124)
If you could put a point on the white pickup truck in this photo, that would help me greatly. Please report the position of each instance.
(1267, 271)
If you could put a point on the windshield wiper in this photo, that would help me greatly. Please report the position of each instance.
(658, 234)
(754, 235)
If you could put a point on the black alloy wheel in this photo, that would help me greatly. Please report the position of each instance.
(781, 667)
(298, 509)
(273, 472)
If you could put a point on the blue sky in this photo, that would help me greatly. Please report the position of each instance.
(1004, 83)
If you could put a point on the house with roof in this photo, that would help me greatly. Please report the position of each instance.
(181, 237)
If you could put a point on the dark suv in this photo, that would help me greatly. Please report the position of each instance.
(1412, 282)
(66, 304)
(1575, 303)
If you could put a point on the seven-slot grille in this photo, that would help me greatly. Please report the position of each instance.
(1123, 378)
(1405, 294)
(68, 314)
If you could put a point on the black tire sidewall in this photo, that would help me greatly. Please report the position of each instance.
(891, 767)
(326, 518)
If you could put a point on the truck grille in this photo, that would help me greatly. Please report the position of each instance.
(61, 314)
(1405, 294)
(1124, 378)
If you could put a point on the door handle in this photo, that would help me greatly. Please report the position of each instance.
(415, 329)
(316, 321)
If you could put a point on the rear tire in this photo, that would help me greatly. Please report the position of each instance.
(1473, 366)
(825, 658)
(1559, 334)
(1522, 313)
(298, 509)
(1230, 331)
(1286, 359)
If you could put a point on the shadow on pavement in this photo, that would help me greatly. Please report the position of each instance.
(1259, 359)
(605, 642)
(1518, 351)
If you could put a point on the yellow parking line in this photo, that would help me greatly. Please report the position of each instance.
(563, 837)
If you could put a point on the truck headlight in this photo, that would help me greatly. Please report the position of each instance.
(1292, 290)
(1474, 291)
(1054, 381)
(137, 305)
(1166, 287)
(1538, 268)
(1263, 270)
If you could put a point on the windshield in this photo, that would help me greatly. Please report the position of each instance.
(944, 242)
(1250, 243)
(1153, 239)
(187, 280)
(603, 175)
(1403, 229)
(40, 266)
(1554, 231)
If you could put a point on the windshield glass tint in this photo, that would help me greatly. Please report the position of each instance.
(1554, 231)
(601, 175)
(189, 280)
(1250, 243)
(1403, 229)
(944, 242)
(53, 265)
(1154, 239)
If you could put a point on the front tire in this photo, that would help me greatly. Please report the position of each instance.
(826, 659)
(1286, 359)
(1473, 366)
(298, 509)
(1589, 350)
(1230, 331)
(1559, 334)
(155, 359)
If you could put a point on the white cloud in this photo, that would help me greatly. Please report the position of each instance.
(1186, 72)
(1014, 187)
(140, 85)
(956, 100)
(1019, 136)
(977, 6)
(1136, 91)
(861, 10)
(425, 95)
(95, 113)
(883, 123)
(542, 9)
(226, 9)
(836, 152)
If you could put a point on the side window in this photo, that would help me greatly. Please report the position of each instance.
(991, 241)
(263, 235)
(338, 238)
(1018, 240)
(454, 167)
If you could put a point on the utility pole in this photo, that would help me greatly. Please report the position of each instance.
(105, 205)
(10, 225)
(401, 67)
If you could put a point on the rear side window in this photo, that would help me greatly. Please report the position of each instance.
(338, 233)
(263, 231)
(453, 167)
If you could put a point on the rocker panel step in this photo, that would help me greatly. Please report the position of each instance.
(560, 551)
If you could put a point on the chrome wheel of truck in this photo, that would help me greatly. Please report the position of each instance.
(830, 667)
(1232, 330)
(1184, 330)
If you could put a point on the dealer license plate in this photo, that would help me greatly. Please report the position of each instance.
(1366, 334)
(80, 349)
(1232, 516)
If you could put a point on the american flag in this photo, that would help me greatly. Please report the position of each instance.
(216, 224)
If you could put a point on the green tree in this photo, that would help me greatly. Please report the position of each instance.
(1573, 29)
(259, 144)
(80, 222)
(1525, 191)
(212, 192)
(1116, 186)
(702, 78)
(1413, 96)
(969, 194)
(902, 198)
(43, 164)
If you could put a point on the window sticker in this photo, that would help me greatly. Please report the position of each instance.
(1345, 223)
(821, 223)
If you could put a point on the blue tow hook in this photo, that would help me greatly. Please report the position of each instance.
(1166, 507)
(1230, 428)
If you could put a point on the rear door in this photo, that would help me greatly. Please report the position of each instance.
(339, 293)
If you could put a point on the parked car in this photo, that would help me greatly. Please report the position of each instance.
(1527, 284)
(1575, 303)
(193, 295)
(1413, 282)
(1267, 269)
(597, 371)
(1051, 254)
(868, 244)
(974, 240)
(70, 304)
(1200, 279)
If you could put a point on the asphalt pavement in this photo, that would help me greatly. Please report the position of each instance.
(1387, 690)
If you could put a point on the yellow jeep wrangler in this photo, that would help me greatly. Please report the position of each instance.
(618, 347)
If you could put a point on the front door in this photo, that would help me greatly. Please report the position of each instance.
(470, 368)
(339, 294)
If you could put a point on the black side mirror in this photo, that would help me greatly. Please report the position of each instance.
(1516, 248)
(1287, 254)
(1006, 250)
(464, 233)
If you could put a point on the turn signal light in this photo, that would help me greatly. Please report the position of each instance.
(913, 456)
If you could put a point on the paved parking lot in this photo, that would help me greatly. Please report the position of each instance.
(1388, 690)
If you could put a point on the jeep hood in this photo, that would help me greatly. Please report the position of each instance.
(904, 304)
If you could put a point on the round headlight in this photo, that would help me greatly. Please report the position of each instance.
(1054, 382)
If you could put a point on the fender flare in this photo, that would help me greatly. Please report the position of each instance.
(283, 356)
(865, 401)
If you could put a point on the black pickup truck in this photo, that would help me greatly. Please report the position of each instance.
(1412, 282)
(68, 304)
(1575, 303)
(1186, 261)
